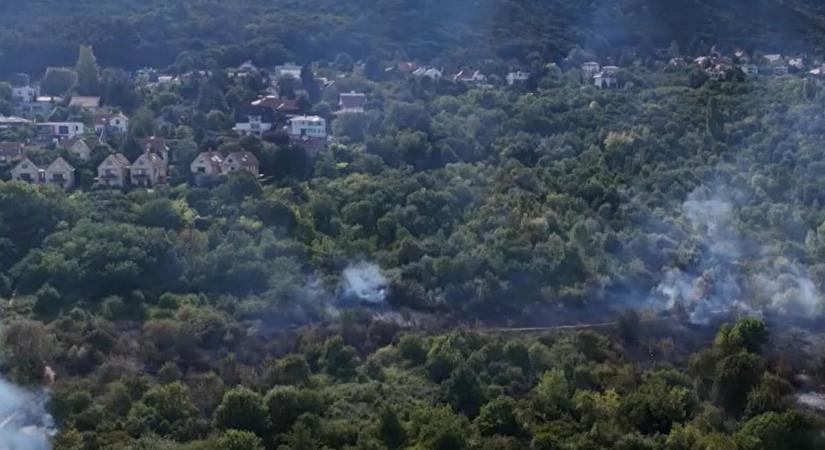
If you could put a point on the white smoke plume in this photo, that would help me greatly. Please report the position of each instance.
(717, 283)
(365, 282)
(24, 422)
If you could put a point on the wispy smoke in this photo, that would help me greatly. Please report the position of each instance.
(812, 400)
(24, 422)
(719, 282)
(364, 282)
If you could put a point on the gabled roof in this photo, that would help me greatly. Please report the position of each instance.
(104, 119)
(11, 150)
(153, 144)
(243, 113)
(244, 159)
(13, 120)
(284, 105)
(117, 160)
(352, 100)
(85, 101)
(214, 159)
(25, 162)
(148, 159)
(60, 165)
(10, 147)
(316, 119)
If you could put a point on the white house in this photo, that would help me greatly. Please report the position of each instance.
(750, 70)
(591, 68)
(308, 126)
(60, 173)
(62, 129)
(24, 94)
(11, 122)
(288, 70)
(605, 80)
(111, 124)
(40, 107)
(470, 77)
(113, 171)
(517, 77)
(254, 120)
(428, 72)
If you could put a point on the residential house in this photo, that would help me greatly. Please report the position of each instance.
(703, 62)
(207, 163)
(254, 120)
(62, 129)
(155, 145)
(518, 76)
(428, 72)
(245, 69)
(111, 124)
(473, 77)
(288, 107)
(591, 69)
(750, 70)
(352, 102)
(26, 171)
(678, 62)
(718, 72)
(148, 170)
(24, 94)
(796, 64)
(742, 56)
(39, 108)
(86, 103)
(10, 152)
(406, 67)
(240, 161)
(777, 64)
(79, 146)
(288, 70)
(12, 122)
(605, 80)
(113, 171)
(60, 173)
(308, 126)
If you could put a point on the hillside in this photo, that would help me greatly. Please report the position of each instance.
(453, 225)
(132, 34)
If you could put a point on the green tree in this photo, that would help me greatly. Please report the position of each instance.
(242, 409)
(58, 81)
(498, 417)
(390, 429)
(239, 440)
(286, 403)
(715, 120)
(88, 78)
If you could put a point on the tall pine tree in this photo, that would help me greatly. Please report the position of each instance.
(715, 122)
(88, 79)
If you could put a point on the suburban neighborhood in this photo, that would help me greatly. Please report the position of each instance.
(83, 130)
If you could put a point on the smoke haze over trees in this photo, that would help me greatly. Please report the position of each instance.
(665, 236)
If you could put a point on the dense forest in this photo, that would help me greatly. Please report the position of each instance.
(190, 34)
(379, 293)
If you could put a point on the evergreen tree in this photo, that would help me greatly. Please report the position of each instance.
(715, 122)
(88, 79)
